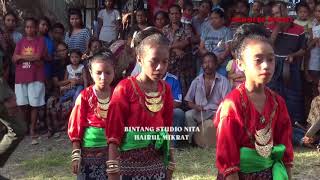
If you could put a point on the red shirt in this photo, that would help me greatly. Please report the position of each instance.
(154, 7)
(27, 72)
(127, 109)
(231, 134)
(83, 114)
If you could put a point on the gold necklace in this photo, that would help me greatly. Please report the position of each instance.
(101, 110)
(152, 94)
(153, 103)
(153, 100)
(103, 103)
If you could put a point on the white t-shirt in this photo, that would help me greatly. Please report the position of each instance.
(74, 73)
(314, 61)
(108, 31)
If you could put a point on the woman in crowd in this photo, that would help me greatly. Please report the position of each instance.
(161, 19)
(254, 133)
(181, 62)
(88, 119)
(109, 21)
(78, 35)
(140, 23)
(215, 37)
(142, 101)
(55, 111)
(10, 24)
(11, 37)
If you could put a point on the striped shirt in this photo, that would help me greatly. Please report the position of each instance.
(78, 40)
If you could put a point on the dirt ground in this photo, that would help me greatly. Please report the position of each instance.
(25, 151)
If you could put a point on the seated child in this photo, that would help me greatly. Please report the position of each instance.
(187, 13)
(235, 75)
(312, 135)
(76, 75)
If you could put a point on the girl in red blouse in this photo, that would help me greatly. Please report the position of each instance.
(253, 126)
(87, 121)
(139, 108)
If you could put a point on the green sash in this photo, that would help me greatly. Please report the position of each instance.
(138, 139)
(94, 137)
(251, 161)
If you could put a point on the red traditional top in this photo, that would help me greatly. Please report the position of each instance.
(84, 114)
(231, 132)
(127, 109)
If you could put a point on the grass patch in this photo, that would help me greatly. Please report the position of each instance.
(192, 164)
(306, 164)
(195, 163)
(52, 165)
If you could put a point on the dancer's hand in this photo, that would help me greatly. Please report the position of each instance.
(75, 166)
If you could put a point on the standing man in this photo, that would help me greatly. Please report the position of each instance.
(289, 44)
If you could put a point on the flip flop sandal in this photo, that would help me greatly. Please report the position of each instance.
(34, 142)
(57, 135)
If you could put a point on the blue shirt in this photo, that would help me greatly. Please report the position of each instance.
(174, 83)
(50, 45)
(48, 64)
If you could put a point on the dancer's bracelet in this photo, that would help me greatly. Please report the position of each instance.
(76, 151)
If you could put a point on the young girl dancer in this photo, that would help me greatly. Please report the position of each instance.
(143, 101)
(87, 121)
(253, 126)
